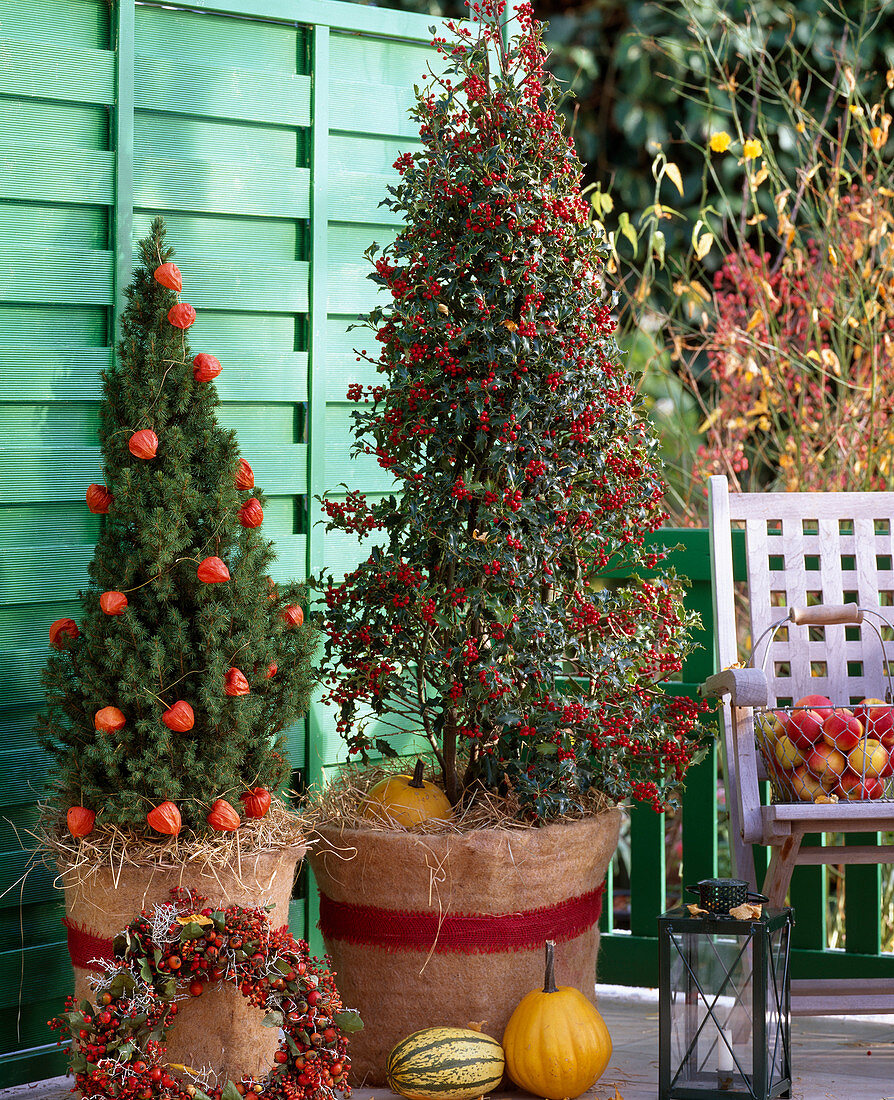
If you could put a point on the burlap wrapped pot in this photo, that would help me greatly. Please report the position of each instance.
(219, 1029)
(446, 929)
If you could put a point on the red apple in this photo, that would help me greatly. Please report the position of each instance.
(854, 789)
(826, 764)
(842, 730)
(877, 717)
(804, 727)
(822, 704)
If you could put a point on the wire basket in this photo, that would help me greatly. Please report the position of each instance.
(821, 751)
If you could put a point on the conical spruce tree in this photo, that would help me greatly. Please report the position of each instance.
(526, 467)
(188, 662)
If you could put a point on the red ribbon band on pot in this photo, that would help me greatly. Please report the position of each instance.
(85, 947)
(468, 933)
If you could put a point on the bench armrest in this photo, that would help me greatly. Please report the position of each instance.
(747, 687)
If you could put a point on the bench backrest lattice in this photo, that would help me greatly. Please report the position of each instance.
(809, 549)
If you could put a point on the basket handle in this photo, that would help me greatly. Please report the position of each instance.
(826, 614)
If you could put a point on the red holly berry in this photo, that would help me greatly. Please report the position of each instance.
(165, 818)
(182, 315)
(235, 683)
(99, 499)
(179, 717)
(205, 367)
(245, 475)
(143, 444)
(80, 821)
(251, 514)
(213, 571)
(256, 802)
(293, 615)
(109, 720)
(62, 629)
(169, 276)
(113, 603)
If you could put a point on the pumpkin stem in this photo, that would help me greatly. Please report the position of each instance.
(416, 781)
(549, 978)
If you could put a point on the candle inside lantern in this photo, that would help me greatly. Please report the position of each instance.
(725, 1062)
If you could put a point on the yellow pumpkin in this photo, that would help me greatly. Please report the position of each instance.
(407, 800)
(556, 1043)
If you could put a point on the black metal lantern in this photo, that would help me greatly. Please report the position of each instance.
(724, 1006)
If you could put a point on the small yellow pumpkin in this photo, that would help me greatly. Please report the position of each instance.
(407, 800)
(556, 1043)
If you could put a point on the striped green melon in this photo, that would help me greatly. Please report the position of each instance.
(445, 1063)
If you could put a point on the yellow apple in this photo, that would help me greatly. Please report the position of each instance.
(869, 759)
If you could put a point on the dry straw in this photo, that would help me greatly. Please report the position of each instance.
(340, 805)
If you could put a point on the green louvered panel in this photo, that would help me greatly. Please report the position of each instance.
(54, 275)
(39, 923)
(343, 367)
(44, 224)
(24, 771)
(229, 238)
(43, 477)
(38, 174)
(32, 375)
(77, 23)
(62, 126)
(44, 71)
(166, 183)
(68, 524)
(164, 85)
(217, 40)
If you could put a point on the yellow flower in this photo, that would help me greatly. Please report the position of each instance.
(752, 149)
(800, 127)
(720, 142)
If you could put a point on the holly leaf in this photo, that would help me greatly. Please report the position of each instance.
(281, 966)
(230, 1092)
(200, 1095)
(191, 931)
(146, 971)
(220, 923)
(292, 1045)
(272, 1019)
(387, 750)
(348, 1020)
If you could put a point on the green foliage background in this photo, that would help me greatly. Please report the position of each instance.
(624, 60)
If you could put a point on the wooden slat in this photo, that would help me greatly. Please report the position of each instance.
(170, 84)
(851, 853)
(181, 183)
(50, 71)
(37, 173)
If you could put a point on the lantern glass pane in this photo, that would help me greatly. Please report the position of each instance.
(711, 1025)
(777, 1006)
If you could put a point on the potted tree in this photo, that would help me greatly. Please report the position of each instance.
(167, 703)
(480, 619)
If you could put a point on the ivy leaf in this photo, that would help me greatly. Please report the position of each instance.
(348, 1020)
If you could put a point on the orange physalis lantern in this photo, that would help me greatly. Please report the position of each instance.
(271, 671)
(109, 720)
(99, 499)
(245, 476)
(113, 603)
(62, 629)
(255, 803)
(169, 276)
(179, 717)
(165, 818)
(80, 820)
(223, 817)
(181, 315)
(205, 367)
(213, 571)
(235, 683)
(251, 514)
(293, 615)
(143, 444)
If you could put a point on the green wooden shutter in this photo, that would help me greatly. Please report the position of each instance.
(109, 114)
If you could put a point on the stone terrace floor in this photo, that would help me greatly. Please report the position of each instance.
(833, 1058)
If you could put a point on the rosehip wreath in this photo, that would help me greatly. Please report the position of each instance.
(117, 1044)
